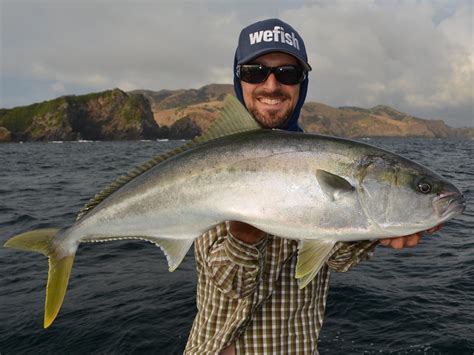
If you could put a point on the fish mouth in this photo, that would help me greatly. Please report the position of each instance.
(449, 204)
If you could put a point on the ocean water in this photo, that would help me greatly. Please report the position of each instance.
(122, 299)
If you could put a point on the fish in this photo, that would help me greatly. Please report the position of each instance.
(318, 190)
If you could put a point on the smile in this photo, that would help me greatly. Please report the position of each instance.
(269, 101)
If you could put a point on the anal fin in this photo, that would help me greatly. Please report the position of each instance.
(312, 255)
(174, 249)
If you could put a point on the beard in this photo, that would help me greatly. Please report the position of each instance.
(269, 119)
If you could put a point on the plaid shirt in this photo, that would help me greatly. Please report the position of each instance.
(247, 294)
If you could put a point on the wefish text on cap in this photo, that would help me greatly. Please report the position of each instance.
(272, 35)
(278, 34)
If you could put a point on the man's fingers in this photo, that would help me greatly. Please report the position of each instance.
(412, 240)
(385, 242)
(397, 243)
(407, 241)
(435, 229)
(402, 242)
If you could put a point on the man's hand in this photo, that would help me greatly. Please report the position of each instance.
(408, 240)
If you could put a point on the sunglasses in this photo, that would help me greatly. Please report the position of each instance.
(258, 73)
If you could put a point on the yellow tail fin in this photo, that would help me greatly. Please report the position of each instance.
(60, 265)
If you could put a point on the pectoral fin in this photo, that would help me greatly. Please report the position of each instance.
(311, 257)
(333, 185)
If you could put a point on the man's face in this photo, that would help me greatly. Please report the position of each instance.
(271, 103)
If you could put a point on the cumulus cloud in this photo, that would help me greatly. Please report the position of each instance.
(155, 45)
(367, 53)
(413, 55)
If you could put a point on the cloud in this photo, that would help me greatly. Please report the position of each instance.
(58, 88)
(155, 45)
(367, 53)
(127, 86)
(416, 56)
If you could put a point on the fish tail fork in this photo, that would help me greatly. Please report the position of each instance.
(60, 265)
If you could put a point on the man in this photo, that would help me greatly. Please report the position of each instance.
(247, 297)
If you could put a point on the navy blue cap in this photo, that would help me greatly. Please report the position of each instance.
(246, 52)
(272, 35)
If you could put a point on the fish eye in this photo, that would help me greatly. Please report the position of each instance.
(424, 187)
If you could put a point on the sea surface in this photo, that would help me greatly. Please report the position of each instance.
(122, 300)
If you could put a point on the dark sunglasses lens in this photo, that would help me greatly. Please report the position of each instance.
(253, 73)
(289, 75)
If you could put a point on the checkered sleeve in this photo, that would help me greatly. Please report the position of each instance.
(346, 255)
(234, 266)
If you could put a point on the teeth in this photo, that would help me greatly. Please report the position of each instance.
(270, 101)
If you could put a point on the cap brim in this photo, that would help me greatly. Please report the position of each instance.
(256, 54)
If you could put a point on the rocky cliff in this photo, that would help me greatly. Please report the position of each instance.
(379, 121)
(108, 115)
(186, 113)
(183, 114)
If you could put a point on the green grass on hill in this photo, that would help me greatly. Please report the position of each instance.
(18, 119)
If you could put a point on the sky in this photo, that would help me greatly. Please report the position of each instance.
(415, 56)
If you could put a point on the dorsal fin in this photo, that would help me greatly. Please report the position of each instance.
(233, 118)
